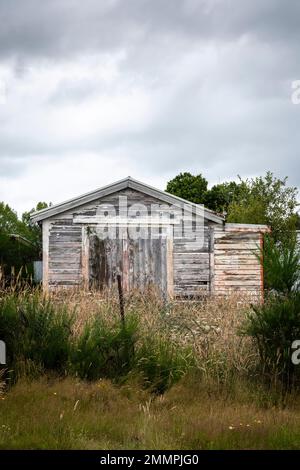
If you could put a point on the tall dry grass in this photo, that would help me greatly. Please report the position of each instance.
(211, 327)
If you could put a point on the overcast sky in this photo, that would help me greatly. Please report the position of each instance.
(93, 91)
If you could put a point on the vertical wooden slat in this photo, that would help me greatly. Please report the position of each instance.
(262, 286)
(211, 260)
(46, 227)
(85, 258)
(125, 262)
(170, 263)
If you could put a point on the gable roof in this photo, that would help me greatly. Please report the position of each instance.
(118, 186)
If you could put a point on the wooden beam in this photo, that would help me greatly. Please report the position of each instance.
(255, 228)
(124, 221)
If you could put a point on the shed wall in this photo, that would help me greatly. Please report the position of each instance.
(237, 265)
(222, 259)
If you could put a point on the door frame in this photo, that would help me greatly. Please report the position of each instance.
(85, 253)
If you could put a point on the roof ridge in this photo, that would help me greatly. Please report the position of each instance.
(127, 182)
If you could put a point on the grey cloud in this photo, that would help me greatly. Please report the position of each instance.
(62, 27)
(218, 74)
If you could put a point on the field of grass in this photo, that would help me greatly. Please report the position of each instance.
(180, 376)
(69, 414)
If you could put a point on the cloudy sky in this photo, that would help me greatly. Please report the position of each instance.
(92, 91)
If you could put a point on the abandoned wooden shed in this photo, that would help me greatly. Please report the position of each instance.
(149, 237)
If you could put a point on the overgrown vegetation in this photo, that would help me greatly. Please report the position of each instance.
(40, 337)
(177, 376)
(275, 324)
(281, 263)
(193, 414)
(20, 243)
(36, 333)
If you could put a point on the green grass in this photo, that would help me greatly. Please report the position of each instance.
(175, 378)
(71, 414)
(40, 338)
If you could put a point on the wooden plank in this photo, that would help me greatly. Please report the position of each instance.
(125, 263)
(170, 263)
(262, 286)
(85, 258)
(45, 237)
(237, 246)
(211, 260)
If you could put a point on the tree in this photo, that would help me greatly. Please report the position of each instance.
(266, 200)
(194, 188)
(9, 222)
(34, 233)
(20, 241)
(221, 195)
(39, 207)
(13, 252)
(190, 187)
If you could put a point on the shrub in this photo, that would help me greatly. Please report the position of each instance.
(35, 332)
(162, 363)
(281, 263)
(39, 337)
(274, 326)
(104, 350)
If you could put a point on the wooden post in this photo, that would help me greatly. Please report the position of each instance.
(121, 299)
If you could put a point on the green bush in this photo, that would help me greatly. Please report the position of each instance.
(104, 350)
(281, 262)
(35, 332)
(274, 325)
(161, 363)
(38, 337)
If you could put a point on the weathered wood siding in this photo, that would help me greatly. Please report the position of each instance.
(236, 263)
(64, 260)
(141, 262)
(192, 263)
(220, 260)
(176, 264)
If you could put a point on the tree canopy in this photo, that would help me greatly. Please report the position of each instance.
(187, 186)
(20, 241)
(266, 200)
(261, 200)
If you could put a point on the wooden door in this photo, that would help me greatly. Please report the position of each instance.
(141, 262)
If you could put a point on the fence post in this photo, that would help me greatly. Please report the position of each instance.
(121, 299)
